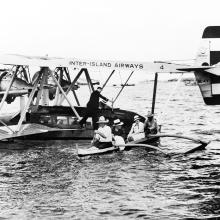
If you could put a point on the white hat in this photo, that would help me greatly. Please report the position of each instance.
(136, 117)
(117, 122)
(102, 120)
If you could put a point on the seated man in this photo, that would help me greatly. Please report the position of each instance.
(137, 130)
(150, 125)
(103, 136)
(118, 133)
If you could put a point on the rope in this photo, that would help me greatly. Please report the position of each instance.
(119, 72)
(161, 116)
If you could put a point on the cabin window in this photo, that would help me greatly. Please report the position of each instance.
(72, 120)
(62, 120)
(45, 119)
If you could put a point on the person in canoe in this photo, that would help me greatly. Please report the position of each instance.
(118, 133)
(150, 125)
(103, 136)
(137, 130)
(93, 107)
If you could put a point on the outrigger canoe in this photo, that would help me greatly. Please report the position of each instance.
(140, 143)
(144, 142)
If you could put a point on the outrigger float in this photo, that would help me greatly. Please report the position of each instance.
(38, 119)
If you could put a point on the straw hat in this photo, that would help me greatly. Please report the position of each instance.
(102, 120)
(99, 87)
(117, 122)
(136, 117)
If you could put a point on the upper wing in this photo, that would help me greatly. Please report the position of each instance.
(15, 59)
(124, 65)
(52, 62)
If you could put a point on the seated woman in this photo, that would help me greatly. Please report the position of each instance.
(103, 136)
(118, 133)
(137, 130)
(150, 125)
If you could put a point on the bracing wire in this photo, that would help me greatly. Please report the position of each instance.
(162, 113)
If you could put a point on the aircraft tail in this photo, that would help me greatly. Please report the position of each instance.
(209, 55)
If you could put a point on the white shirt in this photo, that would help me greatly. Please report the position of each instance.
(137, 128)
(106, 130)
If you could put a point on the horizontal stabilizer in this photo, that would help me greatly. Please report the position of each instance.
(191, 69)
(53, 62)
(215, 70)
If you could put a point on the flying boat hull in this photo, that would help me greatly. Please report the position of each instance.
(65, 124)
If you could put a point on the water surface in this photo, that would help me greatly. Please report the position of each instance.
(46, 180)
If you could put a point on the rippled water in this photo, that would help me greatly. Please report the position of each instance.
(45, 180)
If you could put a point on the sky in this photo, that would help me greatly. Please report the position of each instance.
(126, 30)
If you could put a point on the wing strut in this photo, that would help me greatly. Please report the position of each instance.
(71, 86)
(122, 87)
(161, 116)
(30, 99)
(40, 92)
(65, 96)
(154, 93)
(91, 88)
(108, 79)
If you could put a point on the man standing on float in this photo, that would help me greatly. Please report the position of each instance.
(93, 108)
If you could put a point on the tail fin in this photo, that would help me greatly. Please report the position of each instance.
(208, 55)
(209, 51)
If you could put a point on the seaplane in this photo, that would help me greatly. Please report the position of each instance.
(38, 119)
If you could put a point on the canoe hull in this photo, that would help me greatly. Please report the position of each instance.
(95, 151)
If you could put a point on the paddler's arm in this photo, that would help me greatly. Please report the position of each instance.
(154, 126)
(131, 131)
(145, 124)
(100, 133)
(103, 97)
(141, 130)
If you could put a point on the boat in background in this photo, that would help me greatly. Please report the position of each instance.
(121, 85)
(189, 81)
(85, 83)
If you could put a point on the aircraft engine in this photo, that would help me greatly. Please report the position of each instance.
(17, 86)
(50, 84)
